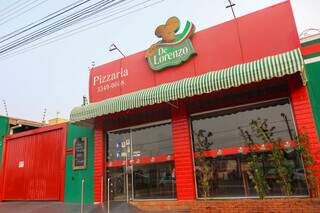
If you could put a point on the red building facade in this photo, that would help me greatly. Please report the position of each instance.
(148, 124)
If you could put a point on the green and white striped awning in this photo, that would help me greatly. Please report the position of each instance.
(263, 69)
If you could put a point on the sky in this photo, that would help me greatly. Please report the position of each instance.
(55, 76)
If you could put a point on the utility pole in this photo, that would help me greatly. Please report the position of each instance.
(5, 107)
(57, 117)
(231, 5)
(44, 116)
(84, 100)
(114, 47)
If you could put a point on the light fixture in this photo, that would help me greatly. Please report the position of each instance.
(114, 47)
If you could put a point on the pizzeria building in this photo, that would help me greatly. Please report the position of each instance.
(150, 111)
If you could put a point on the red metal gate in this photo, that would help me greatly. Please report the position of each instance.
(33, 165)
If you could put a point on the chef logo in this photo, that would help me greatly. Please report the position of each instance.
(173, 49)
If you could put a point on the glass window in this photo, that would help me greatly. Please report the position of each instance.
(116, 144)
(229, 174)
(299, 185)
(154, 181)
(223, 125)
(152, 140)
(118, 184)
(152, 175)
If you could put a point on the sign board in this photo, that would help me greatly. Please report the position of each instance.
(173, 49)
(21, 164)
(136, 153)
(79, 153)
(217, 48)
(127, 142)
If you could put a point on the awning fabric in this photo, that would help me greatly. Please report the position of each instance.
(263, 69)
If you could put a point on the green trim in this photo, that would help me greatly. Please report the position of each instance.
(313, 55)
(313, 74)
(73, 178)
(178, 55)
(173, 53)
(4, 129)
(273, 66)
(308, 43)
(181, 37)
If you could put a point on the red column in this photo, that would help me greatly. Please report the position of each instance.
(99, 162)
(183, 154)
(305, 122)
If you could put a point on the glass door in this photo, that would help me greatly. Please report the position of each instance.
(140, 164)
(120, 153)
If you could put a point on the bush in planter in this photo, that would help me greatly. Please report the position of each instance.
(256, 174)
(205, 168)
(283, 170)
(302, 142)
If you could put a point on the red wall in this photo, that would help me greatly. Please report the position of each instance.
(305, 123)
(266, 32)
(42, 176)
(99, 162)
(182, 147)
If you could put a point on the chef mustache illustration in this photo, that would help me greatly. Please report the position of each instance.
(165, 31)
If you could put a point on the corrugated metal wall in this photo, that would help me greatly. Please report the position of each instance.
(33, 165)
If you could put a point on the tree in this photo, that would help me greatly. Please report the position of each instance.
(261, 129)
(204, 165)
(256, 173)
(302, 142)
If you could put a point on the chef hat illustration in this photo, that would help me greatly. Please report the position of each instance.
(168, 30)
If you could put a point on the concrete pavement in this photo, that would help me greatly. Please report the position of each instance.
(59, 207)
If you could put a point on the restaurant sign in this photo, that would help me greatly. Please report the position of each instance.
(173, 49)
(79, 160)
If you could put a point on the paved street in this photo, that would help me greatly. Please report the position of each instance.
(59, 207)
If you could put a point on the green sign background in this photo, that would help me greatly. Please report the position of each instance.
(168, 56)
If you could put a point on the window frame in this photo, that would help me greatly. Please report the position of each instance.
(235, 107)
(130, 128)
(167, 121)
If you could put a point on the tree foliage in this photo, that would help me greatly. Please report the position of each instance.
(256, 173)
(204, 165)
(302, 142)
(284, 171)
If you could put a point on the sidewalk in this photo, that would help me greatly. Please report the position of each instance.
(59, 207)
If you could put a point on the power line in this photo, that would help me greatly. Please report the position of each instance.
(81, 21)
(23, 12)
(75, 31)
(60, 21)
(44, 20)
(14, 3)
(21, 30)
(17, 7)
(58, 25)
